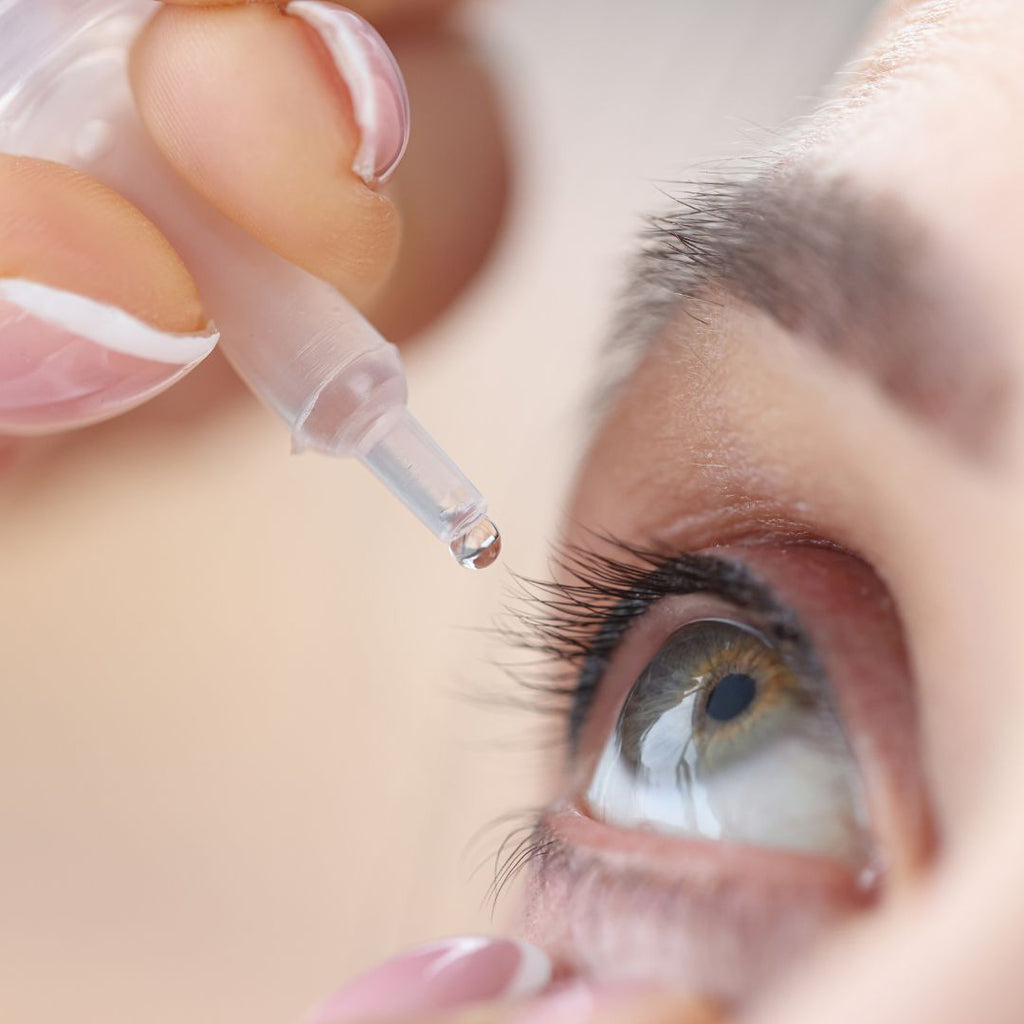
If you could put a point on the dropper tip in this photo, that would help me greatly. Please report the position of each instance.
(478, 547)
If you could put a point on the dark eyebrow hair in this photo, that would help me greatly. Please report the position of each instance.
(851, 272)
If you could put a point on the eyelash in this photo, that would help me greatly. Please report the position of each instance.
(577, 623)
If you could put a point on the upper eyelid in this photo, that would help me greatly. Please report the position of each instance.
(584, 617)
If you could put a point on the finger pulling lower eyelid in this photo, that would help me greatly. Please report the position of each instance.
(439, 977)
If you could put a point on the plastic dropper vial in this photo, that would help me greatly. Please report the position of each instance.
(339, 386)
(298, 344)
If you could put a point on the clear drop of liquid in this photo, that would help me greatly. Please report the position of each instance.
(478, 547)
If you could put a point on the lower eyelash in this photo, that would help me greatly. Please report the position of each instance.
(576, 623)
(722, 929)
(520, 848)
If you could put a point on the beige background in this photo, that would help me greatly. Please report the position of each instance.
(242, 750)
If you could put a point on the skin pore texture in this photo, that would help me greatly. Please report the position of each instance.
(866, 458)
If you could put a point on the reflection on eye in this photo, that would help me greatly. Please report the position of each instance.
(719, 738)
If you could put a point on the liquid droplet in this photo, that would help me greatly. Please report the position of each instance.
(478, 547)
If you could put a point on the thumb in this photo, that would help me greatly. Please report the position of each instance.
(97, 311)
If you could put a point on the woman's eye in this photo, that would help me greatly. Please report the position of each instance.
(720, 738)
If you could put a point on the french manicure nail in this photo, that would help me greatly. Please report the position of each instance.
(67, 360)
(441, 976)
(380, 102)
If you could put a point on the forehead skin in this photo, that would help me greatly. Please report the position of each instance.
(937, 115)
(731, 422)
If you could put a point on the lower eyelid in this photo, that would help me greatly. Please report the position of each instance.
(721, 920)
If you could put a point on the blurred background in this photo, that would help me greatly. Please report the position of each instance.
(245, 720)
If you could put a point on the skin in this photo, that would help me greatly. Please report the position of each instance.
(204, 69)
(776, 425)
(62, 228)
(785, 426)
(918, 122)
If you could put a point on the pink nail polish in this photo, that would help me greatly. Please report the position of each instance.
(380, 102)
(441, 976)
(67, 360)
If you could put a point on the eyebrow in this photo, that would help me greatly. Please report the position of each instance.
(850, 272)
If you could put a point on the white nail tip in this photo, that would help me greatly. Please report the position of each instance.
(533, 974)
(106, 325)
(354, 44)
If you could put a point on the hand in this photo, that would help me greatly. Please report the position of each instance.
(247, 105)
(481, 980)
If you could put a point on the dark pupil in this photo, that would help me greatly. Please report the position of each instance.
(732, 695)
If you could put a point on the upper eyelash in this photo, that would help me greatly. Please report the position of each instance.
(577, 623)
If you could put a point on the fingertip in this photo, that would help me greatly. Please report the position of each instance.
(64, 228)
(248, 106)
(97, 311)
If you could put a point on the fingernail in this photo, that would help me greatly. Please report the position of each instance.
(67, 360)
(380, 102)
(441, 976)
